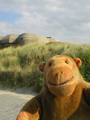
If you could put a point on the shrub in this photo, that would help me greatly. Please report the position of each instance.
(85, 68)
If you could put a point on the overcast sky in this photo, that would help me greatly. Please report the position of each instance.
(64, 20)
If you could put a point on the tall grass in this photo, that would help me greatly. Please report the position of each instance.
(19, 65)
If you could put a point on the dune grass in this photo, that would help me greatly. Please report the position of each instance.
(19, 65)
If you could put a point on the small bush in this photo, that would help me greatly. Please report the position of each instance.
(85, 68)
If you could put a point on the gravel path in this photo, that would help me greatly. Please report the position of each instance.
(11, 101)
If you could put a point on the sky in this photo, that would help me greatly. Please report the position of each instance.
(64, 20)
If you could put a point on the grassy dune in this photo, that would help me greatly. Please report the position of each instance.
(19, 65)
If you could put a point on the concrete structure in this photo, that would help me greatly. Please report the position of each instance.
(50, 39)
(8, 40)
(29, 38)
(23, 39)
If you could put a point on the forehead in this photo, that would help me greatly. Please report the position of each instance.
(60, 57)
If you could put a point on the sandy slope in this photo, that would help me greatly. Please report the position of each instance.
(11, 101)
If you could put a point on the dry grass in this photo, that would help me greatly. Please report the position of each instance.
(19, 65)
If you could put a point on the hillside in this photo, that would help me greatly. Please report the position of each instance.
(19, 65)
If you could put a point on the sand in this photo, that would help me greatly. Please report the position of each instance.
(11, 101)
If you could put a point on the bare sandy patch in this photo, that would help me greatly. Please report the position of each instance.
(11, 101)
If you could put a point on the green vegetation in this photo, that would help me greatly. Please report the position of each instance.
(19, 65)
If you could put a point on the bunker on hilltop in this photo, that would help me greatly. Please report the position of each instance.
(7, 40)
(26, 38)
(23, 39)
